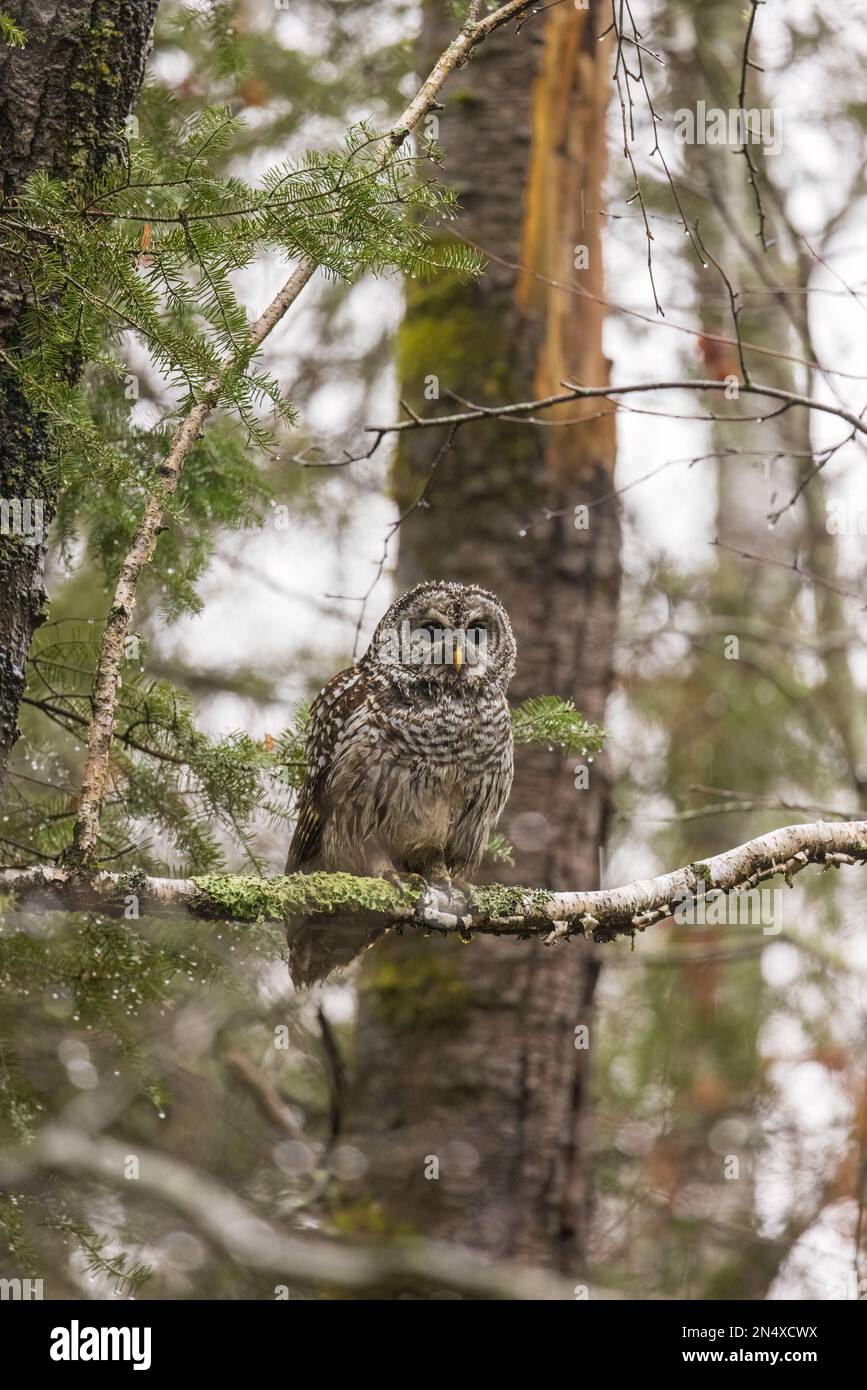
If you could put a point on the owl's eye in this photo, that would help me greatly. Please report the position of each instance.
(434, 631)
(477, 632)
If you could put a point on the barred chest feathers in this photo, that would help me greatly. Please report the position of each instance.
(410, 753)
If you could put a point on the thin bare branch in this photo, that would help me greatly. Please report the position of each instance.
(575, 392)
(744, 149)
(612, 304)
(795, 567)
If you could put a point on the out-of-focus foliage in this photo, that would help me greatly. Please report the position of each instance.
(721, 1047)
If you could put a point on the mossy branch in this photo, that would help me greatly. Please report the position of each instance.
(498, 910)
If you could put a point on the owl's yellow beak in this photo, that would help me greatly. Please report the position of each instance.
(458, 656)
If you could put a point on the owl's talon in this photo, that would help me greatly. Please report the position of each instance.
(438, 876)
(399, 880)
(416, 882)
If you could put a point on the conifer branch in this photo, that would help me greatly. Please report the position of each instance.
(140, 553)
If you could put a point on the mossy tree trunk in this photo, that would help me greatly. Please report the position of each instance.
(63, 100)
(468, 1062)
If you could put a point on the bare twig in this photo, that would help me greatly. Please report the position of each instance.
(623, 76)
(582, 293)
(795, 567)
(745, 147)
(419, 501)
(265, 1094)
(574, 392)
(336, 1076)
(734, 304)
(847, 288)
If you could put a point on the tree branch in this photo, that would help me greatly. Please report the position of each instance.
(140, 553)
(747, 62)
(497, 910)
(236, 1228)
(574, 392)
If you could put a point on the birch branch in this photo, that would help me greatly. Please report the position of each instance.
(496, 910)
(140, 553)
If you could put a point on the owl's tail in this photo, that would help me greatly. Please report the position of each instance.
(320, 945)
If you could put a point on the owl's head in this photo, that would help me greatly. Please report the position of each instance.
(457, 635)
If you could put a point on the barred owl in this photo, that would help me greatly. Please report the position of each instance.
(409, 755)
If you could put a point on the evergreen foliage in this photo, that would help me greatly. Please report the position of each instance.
(547, 719)
(149, 247)
(11, 33)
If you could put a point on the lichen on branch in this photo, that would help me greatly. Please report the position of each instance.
(497, 910)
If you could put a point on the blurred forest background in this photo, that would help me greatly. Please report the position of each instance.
(711, 1140)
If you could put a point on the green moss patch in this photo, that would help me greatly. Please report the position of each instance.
(506, 901)
(247, 899)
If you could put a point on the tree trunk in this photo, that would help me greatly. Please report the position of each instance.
(63, 100)
(472, 1086)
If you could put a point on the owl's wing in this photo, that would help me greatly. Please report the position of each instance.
(331, 709)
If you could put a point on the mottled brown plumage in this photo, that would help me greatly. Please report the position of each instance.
(409, 754)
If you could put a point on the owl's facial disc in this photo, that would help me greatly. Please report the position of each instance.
(436, 645)
(452, 636)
